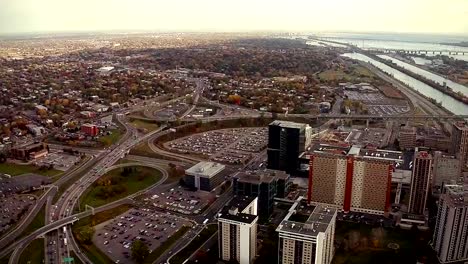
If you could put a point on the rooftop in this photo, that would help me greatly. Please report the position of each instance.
(288, 124)
(458, 194)
(206, 169)
(260, 176)
(319, 218)
(234, 210)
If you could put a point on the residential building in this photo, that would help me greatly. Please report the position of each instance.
(204, 176)
(286, 141)
(422, 166)
(351, 178)
(460, 142)
(264, 184)
(90, 129)
(450, 240)
(445, 170)
(407, 137)
(237, 230)
(306, 234)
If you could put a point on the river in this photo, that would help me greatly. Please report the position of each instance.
(447, 101)
(428, 75)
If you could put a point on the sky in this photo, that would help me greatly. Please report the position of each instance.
(401, 16)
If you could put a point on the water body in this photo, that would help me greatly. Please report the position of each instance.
(428, 75)
(447, 101)
(403, 42)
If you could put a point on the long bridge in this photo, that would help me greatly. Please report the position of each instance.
(422, 51)
(327, 117)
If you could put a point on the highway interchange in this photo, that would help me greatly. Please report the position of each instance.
(61, 214)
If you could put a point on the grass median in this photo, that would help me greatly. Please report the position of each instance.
(37, 222)
(33, 253)
(153, 256)
(118, 184)
(17, 169)
(185, 253)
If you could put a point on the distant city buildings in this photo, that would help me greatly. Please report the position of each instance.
(407, 137)
(445, 170)
(450, 240)
(352, 178)
(237, 230)
(422, 166)
(264, 184)
(204, 176)
(286, 141)
(460, 142)
(306, 234)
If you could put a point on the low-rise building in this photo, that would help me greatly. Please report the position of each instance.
(90, 129)
(204, 175)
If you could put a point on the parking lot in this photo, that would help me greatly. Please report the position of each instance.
(231, 146)
(60, 160)
(179, 200)
(12, 209)
(379, 104)
(115, 237)
(377, 137)
(22, 183)
(171, 111)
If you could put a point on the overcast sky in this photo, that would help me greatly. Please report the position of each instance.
(424, 16)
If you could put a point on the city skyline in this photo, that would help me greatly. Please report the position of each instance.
(417, 16)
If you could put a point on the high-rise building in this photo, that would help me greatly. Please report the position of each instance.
(237, 230)
(306, 234)
(286, 141)
(407, 137)
(450, 240)
(445, 170)
(204, 176)
(353, 179)
(264, 184)
(420, 180)
(460, 142)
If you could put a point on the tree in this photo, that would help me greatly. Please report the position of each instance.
(85, 234)
(139, 251)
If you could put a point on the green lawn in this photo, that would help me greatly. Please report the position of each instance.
(144, 124)
(111, 139)
(194, 245)
(166, 245)
(132, 184)
(18, 169)
(366, 244)
(356, 74)
(33, 253)
(37, 222)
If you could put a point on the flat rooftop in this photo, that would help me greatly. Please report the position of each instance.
(260, 176)
(206, 169)
(288, 124)
(318, 220)
(233, 210)
(458, 194)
